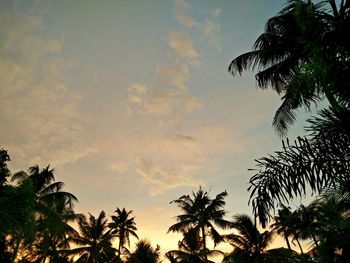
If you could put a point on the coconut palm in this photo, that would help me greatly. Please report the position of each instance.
(144, 253)
(317, 161)
(331, 213)
(249, 245)
(94, 242)
(303, 54)
(191, 249)
(282, 224)
(52, 208)
(54, 232)
(123, 226)
(201, 213)
(16, 202)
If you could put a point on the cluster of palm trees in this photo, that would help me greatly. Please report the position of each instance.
(37, 218)
(323, 226)
(304, 54)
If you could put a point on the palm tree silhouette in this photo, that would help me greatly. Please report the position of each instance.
(249, 244)
(94, 240)
(123, 226)
(201, 213)
(283, 224)
(144, 253)
(302, 54)
(191, 249)
(52, 208)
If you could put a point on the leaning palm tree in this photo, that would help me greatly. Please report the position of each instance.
(144, 253)
(123, 226)
(249, 244)
(201, 213)
(94, 242)
(191, 249)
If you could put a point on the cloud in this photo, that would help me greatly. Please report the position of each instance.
(182, 43)
(181, 7)
(212, 31)
(162, 179)
(39, 116)
(215, 11)
(164, 159)
(168, 94)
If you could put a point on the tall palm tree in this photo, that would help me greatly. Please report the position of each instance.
(144, 253)
(94, 241)
(303, 54)
(201, 213)
(249, 244)
(123, 226)
(191, 249)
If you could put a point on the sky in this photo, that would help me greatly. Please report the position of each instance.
(132, 104)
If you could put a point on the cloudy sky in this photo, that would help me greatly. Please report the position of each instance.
(131, 102)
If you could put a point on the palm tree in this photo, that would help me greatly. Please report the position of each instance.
(282, 224)
(191, 249)
(201, 213)
(331, 213)
(144, 253)
(54, 232)
(16, 203)
(123, 226)
(317, 161)
(52, 207)
(94, 240)
(249, 244)
(303, 54)
(47, 191)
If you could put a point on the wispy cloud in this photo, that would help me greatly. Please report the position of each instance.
(168, 93)
(181, 8)
(212, 31)
(162, 179)
(40, 121)
(182, 43)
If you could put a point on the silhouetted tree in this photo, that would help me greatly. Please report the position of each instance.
(144, 253)
(201, 213)
(123, 226)
(249, 244)
(191, 249)
(304, 55)
(94, 242)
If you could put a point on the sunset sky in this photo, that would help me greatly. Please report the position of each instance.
(131, 101)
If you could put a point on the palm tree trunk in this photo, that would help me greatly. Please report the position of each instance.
(287, 241)
(301, 249)
(315, 240)
(119, 250)
(204, 244)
